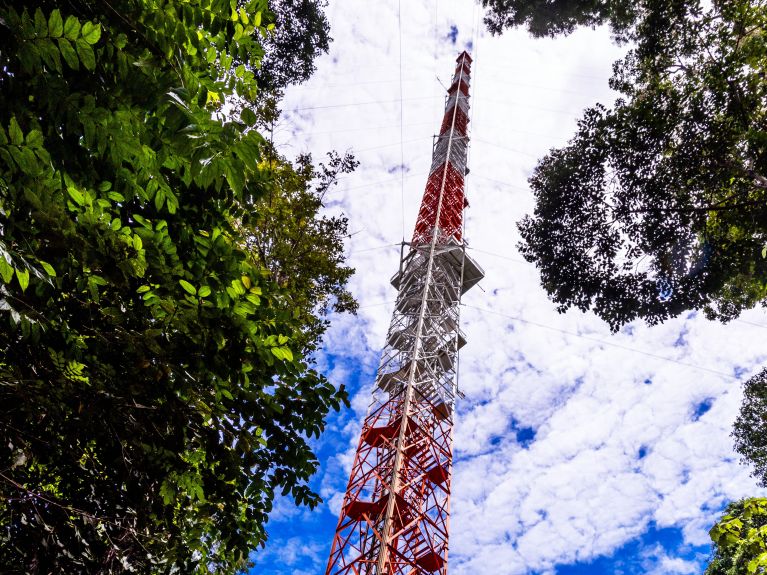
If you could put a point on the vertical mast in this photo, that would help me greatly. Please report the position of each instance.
(394, 518)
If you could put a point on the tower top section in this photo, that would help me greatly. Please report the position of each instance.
(440, 217)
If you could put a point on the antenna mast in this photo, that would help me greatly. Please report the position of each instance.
(394, 518)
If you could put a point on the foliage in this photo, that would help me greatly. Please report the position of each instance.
(304, 251)
(553, 17)
(740, 539)
(657, 205)
(301, 33)
(153, 387)
(750, 429)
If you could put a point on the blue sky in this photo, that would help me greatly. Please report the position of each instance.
(576, 450)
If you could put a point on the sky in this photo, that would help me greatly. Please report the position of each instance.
(576, 450)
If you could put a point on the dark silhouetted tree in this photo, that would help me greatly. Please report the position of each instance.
(658, 204)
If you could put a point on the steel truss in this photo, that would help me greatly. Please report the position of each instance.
(395, 513)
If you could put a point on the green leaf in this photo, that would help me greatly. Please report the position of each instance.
(204, 291)
(234, 176)
(167, 492)
(48, 268)
(23, 277)
(85, 52)
(189, 288)
(72, 28)
(143, 289)
(25, 158)
(55, 24)
(282, 353)
(14, 131)
(76, 195)
(6, 270)
(50, 54)
(41, 26)
(34, 139)
(238, 287)
(243, 309)
(249, 117)
(68, 53)
(91, 32)
(143, 221)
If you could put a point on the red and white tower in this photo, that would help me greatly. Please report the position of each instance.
(395, 513)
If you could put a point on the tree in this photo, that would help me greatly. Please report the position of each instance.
(740, 539)
(656, 205)
(750, 428)
(301, 33)
(304, 251)
(554, 17)
(154, 388)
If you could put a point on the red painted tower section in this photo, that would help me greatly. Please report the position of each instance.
(395, 515)
(447, 172)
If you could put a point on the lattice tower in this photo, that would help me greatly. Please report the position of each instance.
(394, 518)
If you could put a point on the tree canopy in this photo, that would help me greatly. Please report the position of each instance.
(301, 33)
(302, 250)
(554, 17)
(750, 429)
(656, 205)
(740, 539)
(153, 377)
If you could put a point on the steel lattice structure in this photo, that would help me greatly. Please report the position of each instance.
(395, 513)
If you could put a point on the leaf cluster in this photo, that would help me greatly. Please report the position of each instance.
(657, 205)
(301, 33)
(750, 428)
(303, 249)
(553, 17)
(740, 539)
(154, 388)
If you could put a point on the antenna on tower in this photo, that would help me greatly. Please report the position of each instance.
(394, 519)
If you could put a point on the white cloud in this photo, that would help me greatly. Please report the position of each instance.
(595, 400)
(292, 552)
(658, 562)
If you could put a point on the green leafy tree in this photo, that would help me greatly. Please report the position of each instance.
(740, 539)
(303, 250)
(154, 388)
(750, 429)
(656, 205)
